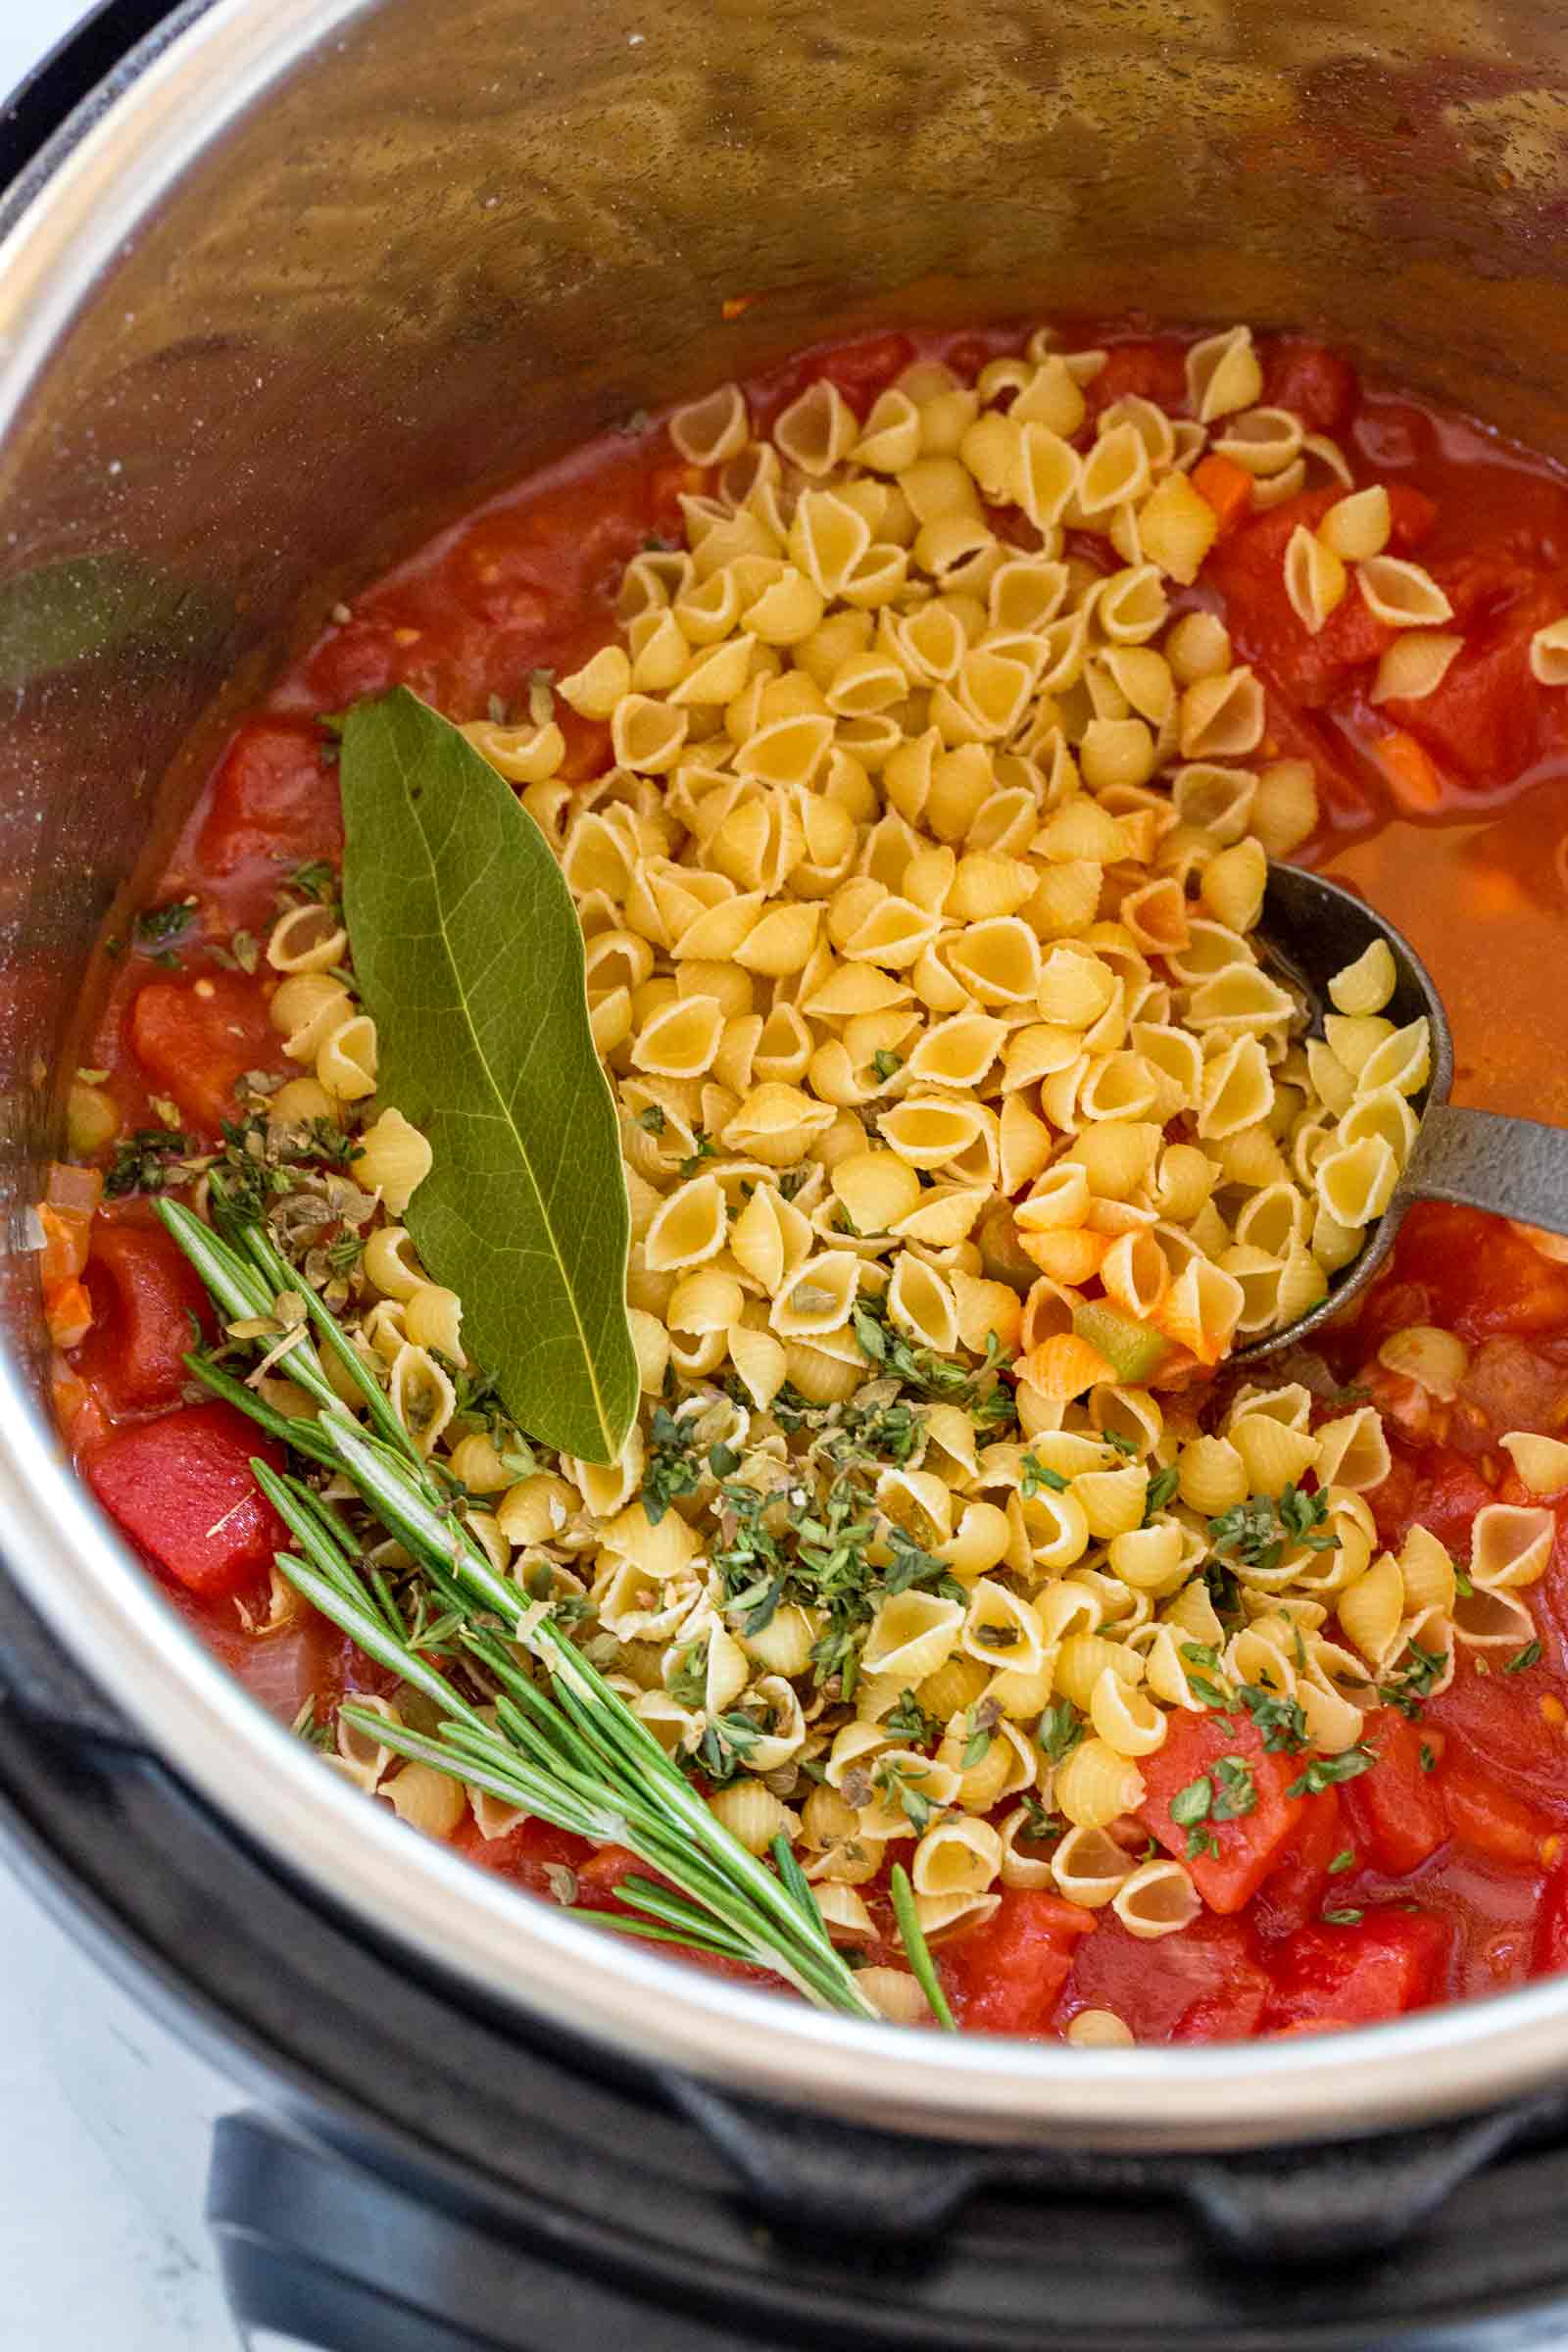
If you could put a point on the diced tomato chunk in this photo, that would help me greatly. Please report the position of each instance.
(1154, 369)
(1294, 1890)
(273, 796)
(1208, 1984)
(1395, 1812)
(1248, 569)
(197, 1038)
(528, 1852)
(144, 1293)
(1251, 1843)
(1354, 1974)
(1310, 380)
(182, 1487)
(863, 368)
(1006, 1977)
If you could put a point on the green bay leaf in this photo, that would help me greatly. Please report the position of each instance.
(469, 958)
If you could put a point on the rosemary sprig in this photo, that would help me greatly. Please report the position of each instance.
(567, 1749)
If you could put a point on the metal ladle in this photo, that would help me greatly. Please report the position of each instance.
(1310, 929)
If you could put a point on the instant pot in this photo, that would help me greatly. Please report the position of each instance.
(282, 284)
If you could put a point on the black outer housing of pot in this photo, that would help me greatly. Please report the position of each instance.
(413, 2174)
(405, 2172)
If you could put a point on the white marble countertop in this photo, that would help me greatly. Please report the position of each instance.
(81, 2264)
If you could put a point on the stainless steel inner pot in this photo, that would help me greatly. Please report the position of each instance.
(312, 270)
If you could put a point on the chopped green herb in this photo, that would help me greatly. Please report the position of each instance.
(653, 1119)
(1059, 1730)
(1429, 1760)
(343, 1255)
(1343, 1919)
(160, 926)
(1523, 1659)
(910, 1720)
(672, 1468)
(1161, 1488)
(1203, 1677)
(1259, 1531)
(1343, 1861)
(886, 1065)
(902, 1786)
(142, 1162)
(1281, 1724)
(315, 880)
(1038, 1477)
(977, 1735)
(706, 1149)
(1323, 1772)
(1235, 1789)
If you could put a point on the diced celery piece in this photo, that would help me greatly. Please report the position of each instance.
(1131, 1347)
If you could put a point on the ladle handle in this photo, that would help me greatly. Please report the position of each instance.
(1485, 1159)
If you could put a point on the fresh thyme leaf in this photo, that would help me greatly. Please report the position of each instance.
(1523, 1659)
(706, 1149)
(1059, 1730)
(1427, 1756)
(343, 1255)
(1161, 1487)
(901, 1785)
(910, 1720)
(672, 1467)
(977, 1737)
(316, 879)
(1259, 1531)
(485, 1047)
(653, 1118)
(1343, 1861)
(1122, 1444)
(143, 1162)
(1039, 1478)
(886, 1065)
(1344, 1919)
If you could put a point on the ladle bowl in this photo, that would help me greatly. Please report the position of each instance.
(1310, 929)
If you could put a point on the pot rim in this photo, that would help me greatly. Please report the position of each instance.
(89, 192)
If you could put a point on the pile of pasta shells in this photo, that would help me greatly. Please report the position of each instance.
(966, 1131)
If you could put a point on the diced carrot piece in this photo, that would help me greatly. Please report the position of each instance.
(1412, 775)
(68, 1312)
(65, 1238)
(1064, 1366)
(1228, 488)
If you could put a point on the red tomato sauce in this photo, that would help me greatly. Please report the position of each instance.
(1443, 1871)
